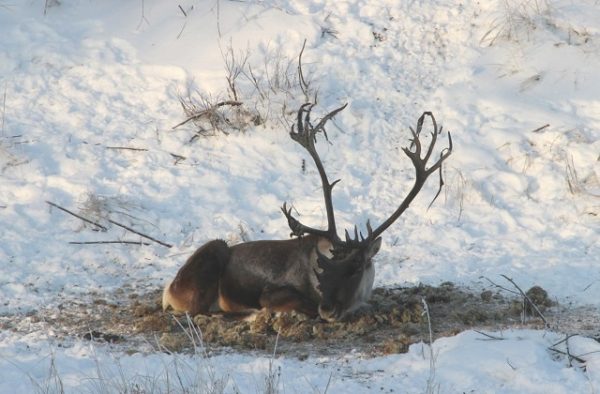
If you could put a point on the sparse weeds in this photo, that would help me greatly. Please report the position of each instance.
(176, 373)
(273, 377)
(100, 207)
(254, 94)
(53, 383)
(456, 190)
(590, 185)
(516, 21)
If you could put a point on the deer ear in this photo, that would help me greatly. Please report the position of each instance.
(374, 248)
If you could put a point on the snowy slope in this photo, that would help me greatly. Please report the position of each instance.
(516, 83)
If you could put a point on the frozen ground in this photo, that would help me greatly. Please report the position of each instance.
(90, 91)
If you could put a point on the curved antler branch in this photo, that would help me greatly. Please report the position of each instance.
(305, 134)
(421, 170)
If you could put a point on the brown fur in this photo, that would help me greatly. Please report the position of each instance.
(195, 287)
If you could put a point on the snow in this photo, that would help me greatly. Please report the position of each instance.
(80, 80)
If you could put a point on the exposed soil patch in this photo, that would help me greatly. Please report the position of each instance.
(394, 319)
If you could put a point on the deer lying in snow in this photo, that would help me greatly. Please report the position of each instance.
(318, 274)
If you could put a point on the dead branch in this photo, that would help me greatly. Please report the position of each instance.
(567, 337)
(127, 148)
(520, 292)
(526, 297)
(77, 216)
(490, 336)
(570, 356)
(499, 286)
(208, 111)
(140, 234)
(541, 128)
(108, 242)
(178, 158)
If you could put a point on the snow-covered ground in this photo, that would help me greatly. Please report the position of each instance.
(90, 92)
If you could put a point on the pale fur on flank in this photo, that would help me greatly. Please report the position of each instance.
(166, 296)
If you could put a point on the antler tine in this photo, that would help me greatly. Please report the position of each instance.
(434, 135)
(421, 171)
(298, 229)
(306, 136)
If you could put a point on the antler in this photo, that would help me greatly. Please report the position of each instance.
(306, 136)
(421, 171)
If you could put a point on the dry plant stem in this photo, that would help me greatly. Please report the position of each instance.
(209, 110)
(539, 129)
(489, 336)
(127, 148)
(528, 300)
(521, 293)
(77, 216)
(570, 356)
(108, 242)
(500, 287)
(431, 386)
(3, 110)
(567, 353)
(140, 234)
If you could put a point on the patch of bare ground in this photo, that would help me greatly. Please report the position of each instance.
(393, 320)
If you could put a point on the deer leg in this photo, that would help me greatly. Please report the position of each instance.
(287, 299)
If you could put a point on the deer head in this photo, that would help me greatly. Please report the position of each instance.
(345, 276)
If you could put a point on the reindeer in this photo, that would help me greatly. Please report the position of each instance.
(316, 273)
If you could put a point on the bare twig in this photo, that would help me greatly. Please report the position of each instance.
(570, 356)
(127, 148)
(431, 385)
(219, 18)
(182, 11)
(109, 242)
(328, 383)
(143, 17)
(541, 128)
(234, 66)
(499, 286)
(208, 111)
(490, 336)
(3, 109)
(510, 364)
(526, 297)
(566, 338)
(178, 158)
(140, 234)
(77, 216)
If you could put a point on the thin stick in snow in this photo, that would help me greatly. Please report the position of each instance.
(140, 234)
(108, 242)
(541, 128)
(127, 148)
(533, 305)
(3, 109)
(77, 216)
(489, 336)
